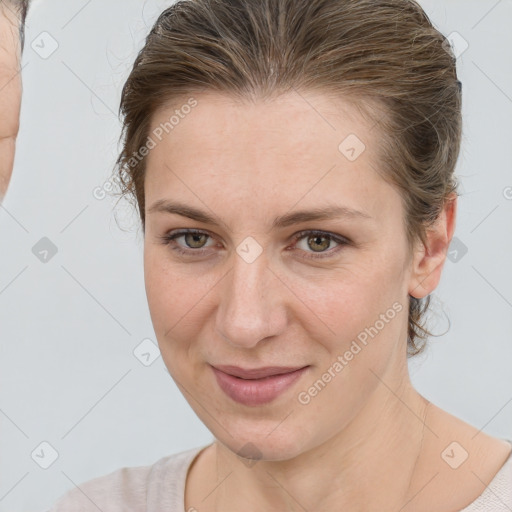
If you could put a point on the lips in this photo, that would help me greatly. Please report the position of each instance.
(257, 373)
(256, 386)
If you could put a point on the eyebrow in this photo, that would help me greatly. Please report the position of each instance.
(283, 221)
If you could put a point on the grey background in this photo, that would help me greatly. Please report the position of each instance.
(69, 326)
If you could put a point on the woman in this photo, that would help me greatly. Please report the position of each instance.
(292, 163)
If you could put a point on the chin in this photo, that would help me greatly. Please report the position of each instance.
(252, 447)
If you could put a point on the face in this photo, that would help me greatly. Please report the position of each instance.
(245, 292)
(10, 91)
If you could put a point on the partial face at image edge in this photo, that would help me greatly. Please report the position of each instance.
(11, 36)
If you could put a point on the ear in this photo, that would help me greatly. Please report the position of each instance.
(429, 258)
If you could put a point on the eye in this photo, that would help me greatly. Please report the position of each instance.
(319, 241)
(194, 240)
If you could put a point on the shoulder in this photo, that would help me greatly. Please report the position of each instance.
(497, 495)
(131, 488)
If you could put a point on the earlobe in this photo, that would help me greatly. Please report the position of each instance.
(429, 258)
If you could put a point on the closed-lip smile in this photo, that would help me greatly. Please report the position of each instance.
(257, 373)
(256, 386)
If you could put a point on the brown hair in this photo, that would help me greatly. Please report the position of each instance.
(384, 56)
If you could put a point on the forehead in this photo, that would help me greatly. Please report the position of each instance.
(294, 147)
(295, 118)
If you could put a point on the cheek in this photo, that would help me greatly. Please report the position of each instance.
(368, 328)
(352, 298)
(176, 297)
(366, 312)
(364, 327)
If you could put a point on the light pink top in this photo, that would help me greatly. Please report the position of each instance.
(161, 488)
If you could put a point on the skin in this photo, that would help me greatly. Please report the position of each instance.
(368, 441)
(10, 91)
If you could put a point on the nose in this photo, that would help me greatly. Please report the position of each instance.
(252, 303)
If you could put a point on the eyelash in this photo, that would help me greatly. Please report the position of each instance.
(170, 238)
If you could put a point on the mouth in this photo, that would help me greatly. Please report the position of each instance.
(256, 386)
